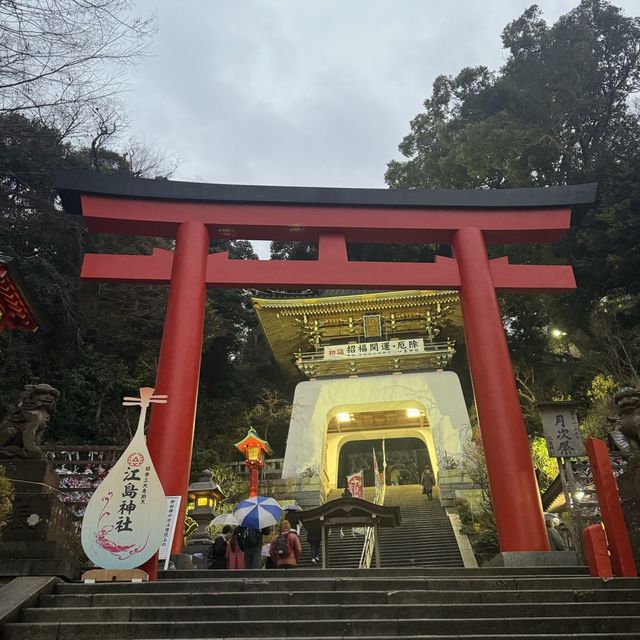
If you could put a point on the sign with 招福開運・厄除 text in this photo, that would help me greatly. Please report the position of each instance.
(374, 349)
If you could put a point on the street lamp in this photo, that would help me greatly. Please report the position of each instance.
(203, 497)
(254, 449)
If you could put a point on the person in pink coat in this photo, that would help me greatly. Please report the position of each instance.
(235, 553)
(285, 548)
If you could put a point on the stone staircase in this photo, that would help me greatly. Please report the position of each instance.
(425, 537)
(403, 603)
(344, 550)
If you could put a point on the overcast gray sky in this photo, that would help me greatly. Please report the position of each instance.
(301, 92)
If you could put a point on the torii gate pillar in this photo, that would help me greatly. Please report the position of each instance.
(170, 434)
(504, 435)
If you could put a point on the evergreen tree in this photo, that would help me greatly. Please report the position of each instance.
(560, 111)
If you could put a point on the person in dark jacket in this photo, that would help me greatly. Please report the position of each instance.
(252, 545)
(427, 483)
(314, 539)
(294, 518)
(218, 552)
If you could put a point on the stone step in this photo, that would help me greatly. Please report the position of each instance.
(321, 613)
(395, 549)
(383, 574)
(293, 583)
(198, 598)
(427, 545)
(255, 628)
(511, 636)
(424, 534)
(431, 554)
(395, 545)
(420, 562)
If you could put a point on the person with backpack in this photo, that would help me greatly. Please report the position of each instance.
(217, 555)
(235, 550)
(285, 547)
(252, 544)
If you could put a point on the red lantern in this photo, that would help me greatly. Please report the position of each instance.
(254, 449)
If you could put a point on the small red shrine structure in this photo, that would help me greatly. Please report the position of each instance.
(17, 310)
(470, 220)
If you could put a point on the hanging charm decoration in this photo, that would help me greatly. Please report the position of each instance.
(124, 521)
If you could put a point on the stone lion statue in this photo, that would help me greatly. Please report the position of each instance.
(626, 435)
(22, 429)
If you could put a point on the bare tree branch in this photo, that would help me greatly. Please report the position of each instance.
(59, 59)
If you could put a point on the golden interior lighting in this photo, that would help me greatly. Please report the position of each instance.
(253, 453)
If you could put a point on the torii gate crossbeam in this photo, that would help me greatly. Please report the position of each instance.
(194, 214)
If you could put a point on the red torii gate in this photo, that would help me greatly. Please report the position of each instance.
(194, 214)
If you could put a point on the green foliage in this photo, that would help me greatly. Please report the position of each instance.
(6, 494)
(479, 527)
(547, 467)
(596, 422)
(602, 388)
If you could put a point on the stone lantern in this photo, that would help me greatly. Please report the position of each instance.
(203, 497)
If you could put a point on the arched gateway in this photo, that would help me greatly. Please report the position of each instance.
(468, 220)
(376, 366)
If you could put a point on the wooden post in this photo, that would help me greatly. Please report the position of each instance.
(323, 540)
(596, 551)
(622, 558)
(375, 541)
(575, 517)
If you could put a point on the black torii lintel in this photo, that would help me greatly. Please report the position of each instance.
(72, 184)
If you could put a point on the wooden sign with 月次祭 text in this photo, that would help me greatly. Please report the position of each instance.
(123, 524)
(561, 429)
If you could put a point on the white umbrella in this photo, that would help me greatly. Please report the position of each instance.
(224, 519)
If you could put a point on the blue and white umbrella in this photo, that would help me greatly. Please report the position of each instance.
(258, 512)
